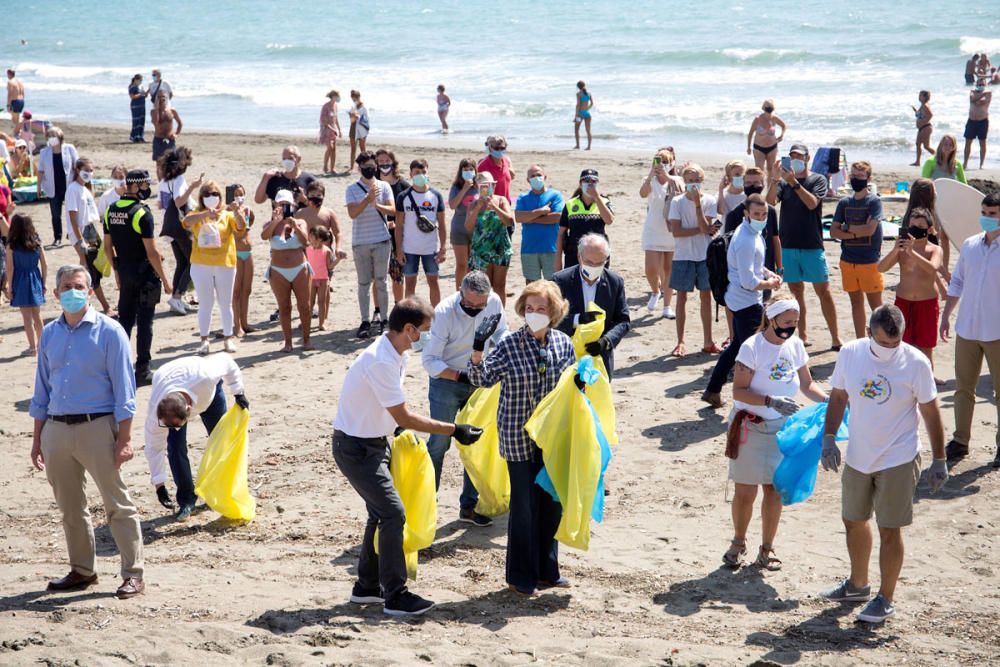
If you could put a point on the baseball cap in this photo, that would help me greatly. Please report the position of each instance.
(284, 197)
(20, 143)
(589, 174)
(137, 176)
(799, 148)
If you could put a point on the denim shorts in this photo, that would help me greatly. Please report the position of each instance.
(412, 266)
(687, 275)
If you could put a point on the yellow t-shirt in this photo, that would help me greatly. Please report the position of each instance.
(214, 242)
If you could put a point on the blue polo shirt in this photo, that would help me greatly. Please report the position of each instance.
(536, 237)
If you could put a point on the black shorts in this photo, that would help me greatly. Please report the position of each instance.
(977, 129)
(969, 79)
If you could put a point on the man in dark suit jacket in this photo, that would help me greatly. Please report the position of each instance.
(590, 281)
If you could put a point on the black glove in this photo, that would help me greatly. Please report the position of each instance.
(398, 432)
(580, 384)
(463, 378)
(466, 434)
(598, 347)
(586, 318)
(241, 400)
(485, 329)
(164, 497)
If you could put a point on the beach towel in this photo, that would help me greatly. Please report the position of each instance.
(801, 443)
(222, 473)
(481, 459)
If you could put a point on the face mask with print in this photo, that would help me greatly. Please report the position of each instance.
(73, 300)
(881, 352)
(287, 164)
(468, 175)
(592, 273)
(737, 181)
(784, 333)
(537, 182)
(85, 176)
(211, 202)
(988, 224)
(385, 168)
(536, 321)
(420, 180)
(757, 225)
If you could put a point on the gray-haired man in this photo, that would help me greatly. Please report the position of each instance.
(471, 317)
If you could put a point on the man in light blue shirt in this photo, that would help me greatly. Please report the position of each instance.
(83, 406)
(538, 211)
(445, 357)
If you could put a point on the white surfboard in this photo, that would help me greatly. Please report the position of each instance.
(958, 207)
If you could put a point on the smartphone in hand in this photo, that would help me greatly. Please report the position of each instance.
(786, 163)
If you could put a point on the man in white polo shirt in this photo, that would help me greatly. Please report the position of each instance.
(370, 408)
(886, 382)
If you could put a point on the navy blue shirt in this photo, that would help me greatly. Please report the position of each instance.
(857, 212)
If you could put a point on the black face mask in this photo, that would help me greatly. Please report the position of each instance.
(471, 312)
(784, 333)
(859, 184)
(385, 168)
(768, 109)
(316, 201)
(368, 172)
(917, 232)
(752, 189)
(144, 193)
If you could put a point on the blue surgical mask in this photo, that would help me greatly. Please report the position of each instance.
(798, 165)
(738, 182)
(468, 175)
(988, 224)
(691, 187)
(584, 187)
(497, 153)
(420, 343)
(537, 182)
(73, 300)
(420, 180)
(757, 225)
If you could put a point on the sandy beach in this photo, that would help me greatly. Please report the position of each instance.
(649, 592)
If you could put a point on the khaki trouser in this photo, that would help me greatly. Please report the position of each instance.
(968, 364)
(69, 451)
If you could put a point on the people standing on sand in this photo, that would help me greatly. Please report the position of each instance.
(857, 224)
(167, 125)
(316, 214)
(731, 187)
(421, 235)
(589, 282)
(369, 201)
(131, 248)
(174, 194)
(360, 125)
(924, 118)
(55, 169)
(137, 94)
(15, 98)
(763, 137)
(885, 382)
(659, 188)
(388, 171)
(288, 274)
(454, 335)
(243, 284)
(181, 389)
(24, 283)
(371, 406)
(976, 282)
(214, 229)
(488, 220)
(329, 132)
(690, 217)
(497, 164)
(800, 226)
(772, 367)
(586, 212)
(944, 164)
(528, 364)
(159, 86)
(753, 183)
(289, 176)
(82, 222)
(539, 211)
(460, 196)
(971, 65)
(584, 103)
(83, 405)
(978, 125)
(443, 106)
(321, 261)
(112, 194)
(748, 279)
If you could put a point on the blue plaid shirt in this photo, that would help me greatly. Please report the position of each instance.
(528, 372)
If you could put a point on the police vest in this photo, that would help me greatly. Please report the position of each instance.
(575, 206)
(123, 213)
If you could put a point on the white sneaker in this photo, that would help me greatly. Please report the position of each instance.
(668, 313)
(177, 305)
(230, 345)
(654, 301)
(203, 348)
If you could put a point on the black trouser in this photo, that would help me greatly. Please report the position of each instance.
(136, 307)
(181, 247)
(55, 209)
(745, 323)
(532, 550)
(138, 120)
(177, 450)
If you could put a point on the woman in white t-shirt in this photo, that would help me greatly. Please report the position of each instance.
(659, 187)
(82, 223)
(771, 368)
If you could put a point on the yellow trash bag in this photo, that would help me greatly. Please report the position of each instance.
(599, 393)
(481, 459)
(101, 262)
(413, 476)
(222, 474)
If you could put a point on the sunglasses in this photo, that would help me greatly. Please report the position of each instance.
(211, 194)
(543, 360)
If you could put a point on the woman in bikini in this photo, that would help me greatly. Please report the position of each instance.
(763, 137)
(924, 129)
(289, 270)
(329, 132)
(584, 103)
(443, 104)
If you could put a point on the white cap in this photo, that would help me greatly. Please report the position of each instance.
(284, 197)
(20, 142)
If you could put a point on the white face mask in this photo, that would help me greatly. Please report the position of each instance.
(211, 202)
(239, 199)
(592, 273)
(118, 182)
(53, 141)
(288, 164)
(85, 176)
(881, 352)
(536, 321)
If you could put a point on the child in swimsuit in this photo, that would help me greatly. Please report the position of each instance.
(243, 285)
(322, 260)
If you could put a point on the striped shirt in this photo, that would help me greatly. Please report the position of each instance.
(369, 226)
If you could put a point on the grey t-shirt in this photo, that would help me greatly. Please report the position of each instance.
(369, 227)
(458, 219)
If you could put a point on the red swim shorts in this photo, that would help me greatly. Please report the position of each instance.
(921, 322)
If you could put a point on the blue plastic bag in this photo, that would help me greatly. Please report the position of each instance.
(801, 443)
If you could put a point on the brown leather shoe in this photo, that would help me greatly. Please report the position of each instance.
(74, 581)
(130, 588)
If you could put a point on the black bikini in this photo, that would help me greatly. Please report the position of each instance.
(764, 149)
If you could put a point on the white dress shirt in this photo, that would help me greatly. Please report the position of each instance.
(373, 383)
(976, 280)
(453, 331)
(195, 376)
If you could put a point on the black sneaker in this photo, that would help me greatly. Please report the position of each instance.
(407, 604)
(360, 595)
(365, 330)
(382, 326)
(164, 497)
(143, 378)
(468, 515)
(956, 451)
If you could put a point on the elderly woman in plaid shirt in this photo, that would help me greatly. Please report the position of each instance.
(528, 363)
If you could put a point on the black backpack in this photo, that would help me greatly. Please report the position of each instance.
(718, 268)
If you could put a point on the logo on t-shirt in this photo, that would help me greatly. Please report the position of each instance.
(782, 371)
(878, 389)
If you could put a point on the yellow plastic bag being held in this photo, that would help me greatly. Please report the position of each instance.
(599, 393)
(481, 459)
(101, 262)
(222, 474)
(413, 476)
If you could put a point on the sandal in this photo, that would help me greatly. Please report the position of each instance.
(732, 558)
(679, 351)
(765, 560)
(711, 349)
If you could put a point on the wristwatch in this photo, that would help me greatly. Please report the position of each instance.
(796, 186)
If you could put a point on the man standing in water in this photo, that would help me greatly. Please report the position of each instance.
(978, 125)
(15, 98)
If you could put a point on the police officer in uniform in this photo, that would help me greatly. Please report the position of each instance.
(131, 247)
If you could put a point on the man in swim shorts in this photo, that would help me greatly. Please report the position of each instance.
(15, 98)
(978, 125)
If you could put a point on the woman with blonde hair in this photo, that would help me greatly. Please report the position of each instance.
(329, 131)
(943, 164)
(763, 137)
(659, 187)
(487, 221)
(528, 364)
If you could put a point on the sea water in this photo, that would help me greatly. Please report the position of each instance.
(692, 75)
